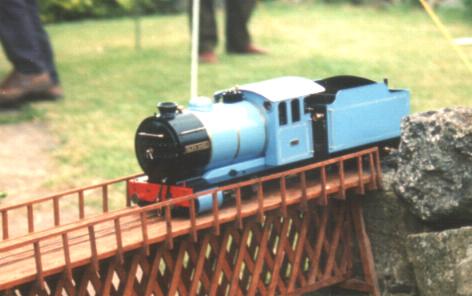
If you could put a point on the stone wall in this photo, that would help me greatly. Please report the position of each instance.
(419, 225)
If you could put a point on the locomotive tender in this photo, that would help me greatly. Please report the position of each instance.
(260, 127)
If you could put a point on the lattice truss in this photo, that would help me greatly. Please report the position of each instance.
(301, 251)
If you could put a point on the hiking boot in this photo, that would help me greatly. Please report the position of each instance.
(55, 92)
(18, 86)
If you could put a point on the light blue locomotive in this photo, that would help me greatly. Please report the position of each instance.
(257, 127)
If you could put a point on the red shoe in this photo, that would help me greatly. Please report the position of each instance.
(251, 49)
(208, 57)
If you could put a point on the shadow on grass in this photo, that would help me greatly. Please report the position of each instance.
(19, 114)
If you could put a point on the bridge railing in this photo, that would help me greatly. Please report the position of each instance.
(365, 164)
(63, 208)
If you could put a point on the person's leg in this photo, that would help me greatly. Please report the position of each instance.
(42, 39)
(208, 37)
(237, 18)
(17, 34)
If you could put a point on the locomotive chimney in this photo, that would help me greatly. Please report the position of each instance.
(167, 110)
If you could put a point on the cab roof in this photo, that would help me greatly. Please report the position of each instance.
(283, 88)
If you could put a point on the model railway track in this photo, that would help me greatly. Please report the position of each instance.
(65, 246)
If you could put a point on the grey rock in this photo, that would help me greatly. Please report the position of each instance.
(434, 173)
(442, 261)
(463, 274)
(389, 222)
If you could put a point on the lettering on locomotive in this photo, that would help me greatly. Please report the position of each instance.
(205, 145)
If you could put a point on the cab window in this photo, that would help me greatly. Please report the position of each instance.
(295, 104)
(282, 113)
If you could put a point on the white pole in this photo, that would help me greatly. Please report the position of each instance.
(195, 40)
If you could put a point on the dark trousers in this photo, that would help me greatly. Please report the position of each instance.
(238, 13)
(24, 40)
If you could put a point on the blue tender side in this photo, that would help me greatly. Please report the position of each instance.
(365, 114)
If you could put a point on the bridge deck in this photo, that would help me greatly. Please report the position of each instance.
(65, 247)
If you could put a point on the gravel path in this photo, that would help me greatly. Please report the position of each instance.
(25, 160)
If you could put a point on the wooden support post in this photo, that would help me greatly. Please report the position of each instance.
(144, 229)
(283, 195)
(260, 202)
(169, 235)
(342, 191)
(39, 265)
(239, 219)
(30, 218)
(5, 224)
(324, 190)
(216, 213)
(304, 202)
(193, 220)
(81, 205)
(57, 217)
(65, 246)
(360, 174)
(365, 250)
(105, 198)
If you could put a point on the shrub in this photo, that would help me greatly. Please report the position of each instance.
(58, 10)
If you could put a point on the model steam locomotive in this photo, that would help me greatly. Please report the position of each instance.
(260, 127)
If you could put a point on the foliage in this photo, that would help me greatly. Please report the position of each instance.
(55, 10)
(468, 6)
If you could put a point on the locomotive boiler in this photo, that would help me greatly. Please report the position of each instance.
(260, 127)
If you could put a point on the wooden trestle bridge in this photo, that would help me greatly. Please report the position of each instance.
(303, 230)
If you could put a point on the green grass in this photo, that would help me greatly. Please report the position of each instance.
(110, 87)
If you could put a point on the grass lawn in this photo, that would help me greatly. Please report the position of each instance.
(110, 87)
